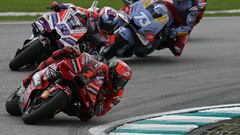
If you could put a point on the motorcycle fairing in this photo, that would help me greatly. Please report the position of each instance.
(126, 33)
(70, 68)
(44, 23)
(66, 24)
(144, 19)
(40, 81)
(148, 27)
(55, 19)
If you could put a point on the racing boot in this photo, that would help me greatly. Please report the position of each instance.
(81, 113)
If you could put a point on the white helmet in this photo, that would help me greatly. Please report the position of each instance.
(108, 19)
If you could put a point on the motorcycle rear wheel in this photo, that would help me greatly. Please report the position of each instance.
(34, 50)
(48, 108)
(139, 53)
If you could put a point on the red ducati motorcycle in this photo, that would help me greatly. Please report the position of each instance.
(49, 91)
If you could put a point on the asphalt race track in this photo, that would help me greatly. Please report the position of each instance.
(206, 74)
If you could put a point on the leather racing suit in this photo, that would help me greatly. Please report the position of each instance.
(101, 95)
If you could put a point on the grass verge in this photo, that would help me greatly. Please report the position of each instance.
(213, 5)
(40, 6)
(222, 14)
(18, 18)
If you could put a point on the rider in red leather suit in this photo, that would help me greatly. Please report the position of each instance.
(105, 82)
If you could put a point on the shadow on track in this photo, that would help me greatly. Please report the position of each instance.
(58, 121)
(61, 122)
(151, 60)
(206, 40)
(167, 60)
(201, 39)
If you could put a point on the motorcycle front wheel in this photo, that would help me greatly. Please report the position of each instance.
(33, 51)
(40, 110)
(12, 106)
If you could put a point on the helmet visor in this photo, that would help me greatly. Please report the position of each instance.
(118, 82)
(106, 27)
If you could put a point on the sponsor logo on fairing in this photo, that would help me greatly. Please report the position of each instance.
(64, 29)
(75, 65)
(69, 41)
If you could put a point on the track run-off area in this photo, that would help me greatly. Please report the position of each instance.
(206, 74)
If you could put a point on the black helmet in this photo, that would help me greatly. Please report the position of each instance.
(120, 73)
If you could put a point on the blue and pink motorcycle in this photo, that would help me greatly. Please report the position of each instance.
(141, 30)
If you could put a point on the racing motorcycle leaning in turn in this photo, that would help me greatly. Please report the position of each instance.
(50, 32)
(78, 85)
(142, 30)
(47, 93)
(154, 24)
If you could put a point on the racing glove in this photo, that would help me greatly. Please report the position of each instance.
(55, 6)
(172, 33)
(68, 51)
(168, 34)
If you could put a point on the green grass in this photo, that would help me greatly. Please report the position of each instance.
(222, 14)
(18, 18)
(39, 5)
(222, 4)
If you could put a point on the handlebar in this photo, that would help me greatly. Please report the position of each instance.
(94, 6)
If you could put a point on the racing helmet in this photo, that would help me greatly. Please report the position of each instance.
(120, 73)
(157, 10)
(107, 20)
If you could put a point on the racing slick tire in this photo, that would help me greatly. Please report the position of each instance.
(12, 106)
(53, 104)
(31, 52)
